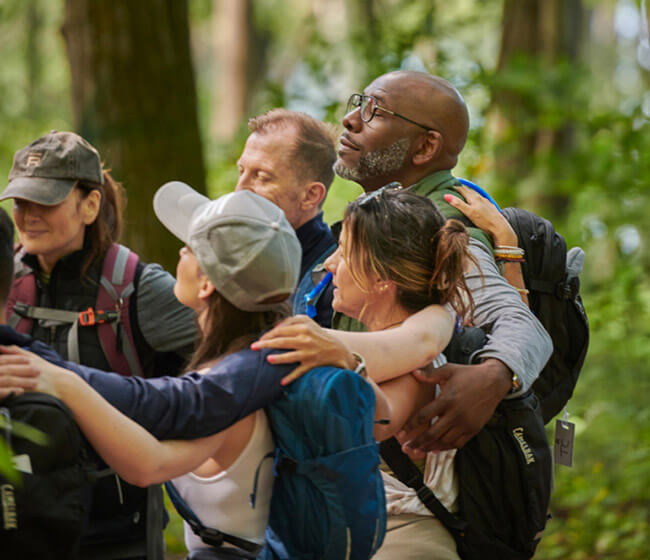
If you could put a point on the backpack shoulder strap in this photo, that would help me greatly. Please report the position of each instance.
(23, 293)
(409, 474)
(116, 287)
(212, 537)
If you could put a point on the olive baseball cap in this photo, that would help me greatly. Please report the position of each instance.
(242, 241)
(46, 170)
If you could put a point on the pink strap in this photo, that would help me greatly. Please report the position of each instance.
(23, 289)
(119, 270)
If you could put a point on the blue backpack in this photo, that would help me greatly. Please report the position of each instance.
(328, 496)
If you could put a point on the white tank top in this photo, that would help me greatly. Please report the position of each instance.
(223, 501)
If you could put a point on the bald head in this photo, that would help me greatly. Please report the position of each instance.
(433, 102)
(404, 127)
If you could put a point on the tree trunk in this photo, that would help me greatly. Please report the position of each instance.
(363, 35)
(536, 34)
(240, 52)
(134, 98)
(230, 34)
(33, 56)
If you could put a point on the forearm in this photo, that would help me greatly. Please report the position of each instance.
(504, 236)
(517, 338)
(514, 276)
(128, 448)
(395, 352)
(399, 399)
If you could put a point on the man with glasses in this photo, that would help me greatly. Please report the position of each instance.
(410, 127)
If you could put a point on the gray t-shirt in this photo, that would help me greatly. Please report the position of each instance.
(166, 324)
(515, 336)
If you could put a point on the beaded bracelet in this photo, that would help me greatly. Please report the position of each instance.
(509, 258)
(508, 253)
(509, 250)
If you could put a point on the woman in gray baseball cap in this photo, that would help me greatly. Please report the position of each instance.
(239, 264)
(89, 298)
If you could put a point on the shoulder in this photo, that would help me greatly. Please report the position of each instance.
(251, 365)
(247, 377)
(250, 362)
(483, 256)
(153, 277)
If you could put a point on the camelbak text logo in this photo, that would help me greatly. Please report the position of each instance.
(519, 436)
(8, 507)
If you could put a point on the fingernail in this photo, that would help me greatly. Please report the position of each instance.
(270, 358)
(448, 197)
(255, 346)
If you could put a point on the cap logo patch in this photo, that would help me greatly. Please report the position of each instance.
(34, 159)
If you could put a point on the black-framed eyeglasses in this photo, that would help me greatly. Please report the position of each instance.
(369, 106)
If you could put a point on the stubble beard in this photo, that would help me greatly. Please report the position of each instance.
(379, 163)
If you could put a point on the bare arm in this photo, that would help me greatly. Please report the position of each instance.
(397, 400)
(396, 352)
(388, 354)
(128, 448)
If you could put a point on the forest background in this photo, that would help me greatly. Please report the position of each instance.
(559, 96)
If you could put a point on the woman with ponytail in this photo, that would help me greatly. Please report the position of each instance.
(68, 213)
(398, 262)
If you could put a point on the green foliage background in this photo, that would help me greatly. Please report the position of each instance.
(601, 506)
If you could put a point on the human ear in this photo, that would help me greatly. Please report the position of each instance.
(382, 286)
(206, 287)
(314, 194)
(430, 147)
(90, 206)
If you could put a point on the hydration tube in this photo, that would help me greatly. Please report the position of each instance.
(312, 297)
(479, 190)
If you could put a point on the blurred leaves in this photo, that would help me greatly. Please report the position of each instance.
(593, 183)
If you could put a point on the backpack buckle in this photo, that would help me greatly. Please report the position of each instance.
(87, 318)
(91, 317)
(567, 290)
(213, 537)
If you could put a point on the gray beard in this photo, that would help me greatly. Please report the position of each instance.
(376, 164)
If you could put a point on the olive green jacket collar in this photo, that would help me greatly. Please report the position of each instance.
(435, 187)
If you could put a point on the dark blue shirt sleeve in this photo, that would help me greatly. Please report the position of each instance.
(192, 405)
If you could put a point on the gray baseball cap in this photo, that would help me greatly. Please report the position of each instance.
(242, 241)
(47, 169)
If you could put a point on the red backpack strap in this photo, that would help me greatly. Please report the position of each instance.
(23, 292)
(117, 286)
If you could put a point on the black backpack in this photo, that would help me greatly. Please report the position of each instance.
(555, 300)
(43, 515)
(552, 277)
(504, 475)
(505, 471)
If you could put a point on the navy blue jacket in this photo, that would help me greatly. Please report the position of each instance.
(315, 239)
(185, 407)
